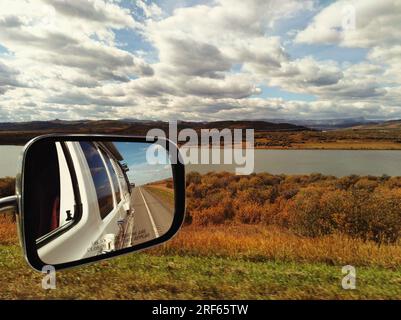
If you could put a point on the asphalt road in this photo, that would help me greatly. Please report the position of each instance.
(150, 218)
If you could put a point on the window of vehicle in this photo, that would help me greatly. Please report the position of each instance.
(44, 187)
(121, 179)
(113, 176)
(55, 193)
(100, 178)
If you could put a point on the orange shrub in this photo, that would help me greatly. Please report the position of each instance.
(315, 211)
(8, 230)
(216, 214)
(368, 208)
(249, 213)
(7, 187)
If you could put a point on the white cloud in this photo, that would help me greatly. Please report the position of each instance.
(150, 10)
(104, 13)
(8, 78)
(211, 60)
(376, 23)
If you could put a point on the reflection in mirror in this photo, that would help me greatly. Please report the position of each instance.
(90, 198)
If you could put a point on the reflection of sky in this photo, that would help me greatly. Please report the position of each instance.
(98, 171)
(141, 169)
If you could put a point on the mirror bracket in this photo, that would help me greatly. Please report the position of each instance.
(9, 203)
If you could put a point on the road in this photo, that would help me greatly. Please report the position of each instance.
(150, 219)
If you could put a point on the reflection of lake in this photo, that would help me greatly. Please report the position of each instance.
(9, 160)
(333, 162)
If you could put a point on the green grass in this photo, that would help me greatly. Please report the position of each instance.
(150, 276)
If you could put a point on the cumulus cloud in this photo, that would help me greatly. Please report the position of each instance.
(150, 10)
(205, 40)
(237, 87)
(210, 61)
(8, 78)
(56, 48)
(366, 24)
(355, 23)
(192, 58)
(94, 10)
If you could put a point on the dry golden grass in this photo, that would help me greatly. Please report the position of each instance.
(266, 243)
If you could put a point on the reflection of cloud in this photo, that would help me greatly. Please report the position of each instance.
(141, 169)
(145, 173)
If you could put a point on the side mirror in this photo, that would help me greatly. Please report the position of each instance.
(83, 198)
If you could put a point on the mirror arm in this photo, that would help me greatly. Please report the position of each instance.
(8, 203)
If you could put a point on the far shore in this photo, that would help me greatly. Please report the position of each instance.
(303, 140)
(355, 145)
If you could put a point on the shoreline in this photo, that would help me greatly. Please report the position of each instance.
(298, 147)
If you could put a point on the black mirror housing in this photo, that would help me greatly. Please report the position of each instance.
(52, 214)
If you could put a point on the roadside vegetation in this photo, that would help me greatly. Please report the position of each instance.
(7, 187)
(246, 237)
(164, 191)
(365, 208)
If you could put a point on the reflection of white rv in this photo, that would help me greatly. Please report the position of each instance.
(94, 200)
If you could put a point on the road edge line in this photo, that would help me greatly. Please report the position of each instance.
(150, 215)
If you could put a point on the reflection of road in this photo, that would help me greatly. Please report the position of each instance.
(150, 219)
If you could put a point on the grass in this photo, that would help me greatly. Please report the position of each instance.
(264, 244)
(148, 276)
(217, 263)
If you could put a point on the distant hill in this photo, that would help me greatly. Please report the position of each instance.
(386, 125)
(329, 124)
(21, 132)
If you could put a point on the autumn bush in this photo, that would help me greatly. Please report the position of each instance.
(8, 229)
(7, 187)
(367, 208)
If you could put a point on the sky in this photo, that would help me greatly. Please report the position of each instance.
(141, 169)
(199, 59)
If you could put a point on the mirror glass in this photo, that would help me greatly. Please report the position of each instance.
(88, 198)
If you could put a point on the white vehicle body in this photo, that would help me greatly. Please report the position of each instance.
(89, 234)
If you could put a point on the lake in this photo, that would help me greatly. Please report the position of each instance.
(328, 162)
(9, 160)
